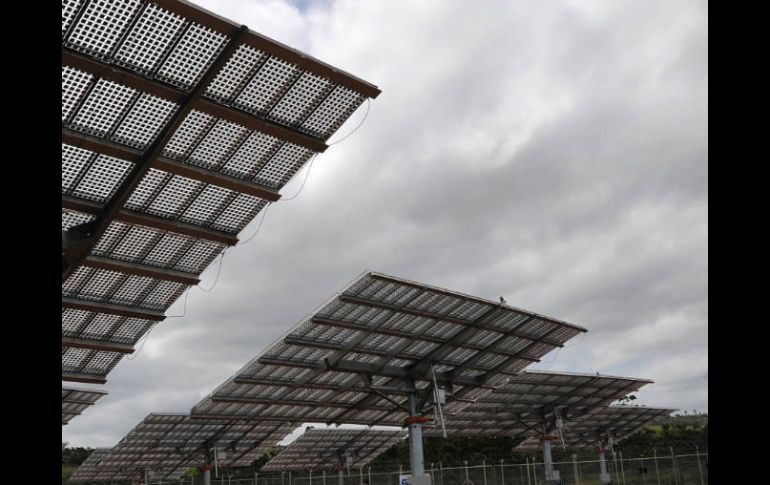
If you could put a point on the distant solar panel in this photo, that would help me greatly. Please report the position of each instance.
(74, 401)
(531, 400)
(88, 470)
(358, 358)
(178, 128)
(592, 429)
(334, 448)
(166, 443)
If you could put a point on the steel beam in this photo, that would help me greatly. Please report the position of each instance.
(111, 309)
(80, 377)
(140, 270)
(97, 345)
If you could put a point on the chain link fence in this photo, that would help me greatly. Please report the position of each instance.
(684, 469)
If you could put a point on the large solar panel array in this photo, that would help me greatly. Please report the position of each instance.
(178, 128)
(168, 444)
(74, 401)
(593, 428)
(334, 448)
(357, 358)
(530, 400)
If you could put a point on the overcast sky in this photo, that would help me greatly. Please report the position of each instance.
(552, 152)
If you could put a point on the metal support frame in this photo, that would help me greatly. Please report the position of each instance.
(97, 227)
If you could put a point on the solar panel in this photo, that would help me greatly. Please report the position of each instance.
(334, 448)
(530, 400)
(166, 443)
(178, 128)
(89, 468)
(74, 401)
(358, 358)
(592, 429)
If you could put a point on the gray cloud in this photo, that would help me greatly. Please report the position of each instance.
(551, 152)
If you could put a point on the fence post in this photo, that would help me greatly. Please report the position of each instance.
(502, 473)
(534, 470)
(323, 477)
(697, 458)
(441, 472)
(622, 470)
(526, 464)
(369, 474)
(673, 465)
(484, 470)
(655, 459)
(575, 471)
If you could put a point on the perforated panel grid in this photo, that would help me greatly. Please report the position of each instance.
(530, 400)
(593, 429)
(323, 448)
(117, 288)
(86, 361)
(74, 401)
(172, 53)
(380, 326)
(174, 441)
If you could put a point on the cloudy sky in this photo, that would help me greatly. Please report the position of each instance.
(552, 152)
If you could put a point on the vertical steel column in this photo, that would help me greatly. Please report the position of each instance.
(416, 457)
(323, 477)
(206, 476)
(502, 473)
(340, 476)
(310, 477)
(526, 458)
(700, 470)
(655, 458)
(484, 470)
(604, 477)
(547, 460)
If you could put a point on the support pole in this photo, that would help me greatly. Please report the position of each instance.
(416, 456)
(340, 476)
(604, 477)
(655, 459)
(575, 470)
(526, 464)
(484, 470)
(361, 475)
(622, 469)
(550, 475)
(700, 470)
(502, 473)
(310, 477)
(323, 477)
(673, 463)
(206, 476)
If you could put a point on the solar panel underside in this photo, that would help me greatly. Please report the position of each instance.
(332, 448)
(127, 68)
(528, 401)
(166, 443)
(89, 469)
(593, 428)
(74, 401)
(356, 359)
